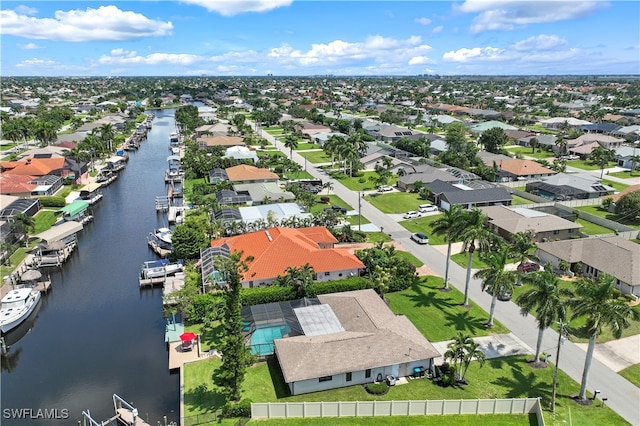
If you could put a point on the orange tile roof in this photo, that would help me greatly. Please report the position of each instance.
(272, 251)
(13, 183)
(221, 140)
(245, 172)
(524, 167)
(34, 166)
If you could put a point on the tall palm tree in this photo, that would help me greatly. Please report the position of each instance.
(23, 223)
(546, 299)
(602, 156)
(332, 146)
(448, 225)
(474, 231)
(594, 300)
(107, 133)
(291, 142)
(522, 247)
(635, 160)
(495, 279)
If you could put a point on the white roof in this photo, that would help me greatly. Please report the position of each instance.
(58, 232)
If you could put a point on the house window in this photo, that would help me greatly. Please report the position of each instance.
(325, 379)
(367, 373)
(571, 231)
(250, 284)
(556, 232)
(349, 377)
(326, 274)
(340, 274)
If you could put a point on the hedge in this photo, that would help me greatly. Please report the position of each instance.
(52, 201)
(348, 284)
(269, 294)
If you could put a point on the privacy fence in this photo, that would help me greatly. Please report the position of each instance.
(397, 408)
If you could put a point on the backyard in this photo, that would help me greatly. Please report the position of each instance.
(597, 211)
(361, 182)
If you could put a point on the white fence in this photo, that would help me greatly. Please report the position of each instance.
(397, 408)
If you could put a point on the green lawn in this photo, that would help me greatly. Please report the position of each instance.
(597, 211)
(300, 175)
(306, 145)
(508, 377)
(516, 200)
(353, 220)
(210, 336)
(588, 165)
(316, 157)
(44, 220)
(18, 256)
(591, 228)
(423, 224)
(632, 374)
(624, 175)
(334, 200)
(411, 258)
(462, 259)
(374, 237)
(438, 315)
(395, 202)
(617, 185)
(362, 183)
(526, 151)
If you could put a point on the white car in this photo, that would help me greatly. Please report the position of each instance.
(411, 215)
(428, 208)
(420, 238)
(385, 188)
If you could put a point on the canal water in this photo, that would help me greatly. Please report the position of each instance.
(97, 333)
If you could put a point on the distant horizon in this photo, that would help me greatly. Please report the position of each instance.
(251, 38)
(427, 76)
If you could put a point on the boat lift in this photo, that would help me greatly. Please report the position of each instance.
(125, 414)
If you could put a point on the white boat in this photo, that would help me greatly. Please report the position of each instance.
(163, 235)
(17, 305)
(160, 268)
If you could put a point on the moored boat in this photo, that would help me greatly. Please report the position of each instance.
(160, 268)
(17, 305)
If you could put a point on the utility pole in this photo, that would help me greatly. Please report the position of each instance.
(359, 208)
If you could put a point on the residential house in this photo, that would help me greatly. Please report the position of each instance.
(311, 129)
(222, 128)
(241, 153)
(390, 133)
(46, 185)
(516, 169)
(631, 133)
(208, 142)
(483, 127)
(268, 253)
(506, 221)
(264, 192)
(569, 186)
(321, 138)
(560, 122)
(266, 212)
(611, 254)
(426, 174)
(626, 157)
(371, 161)
(245, 173)
(16, 185)
(351, 338)
(584, 144)
(548, 142)
(472, 194)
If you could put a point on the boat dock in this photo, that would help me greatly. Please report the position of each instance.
(125, 414)
(162, 252)
(172, 283)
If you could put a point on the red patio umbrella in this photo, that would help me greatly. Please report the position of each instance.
(188, 336)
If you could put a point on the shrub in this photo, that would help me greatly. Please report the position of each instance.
(53, 201)
(377, 388)
(325, 200)
(615, 294)
(260, 295)
(630, 297)
(240, 409)
(354, 283)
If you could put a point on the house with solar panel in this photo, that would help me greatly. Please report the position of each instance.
(569, 186)
(506, 221)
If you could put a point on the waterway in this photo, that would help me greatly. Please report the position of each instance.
(96, 332)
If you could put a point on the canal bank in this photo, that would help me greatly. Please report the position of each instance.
(97, 333)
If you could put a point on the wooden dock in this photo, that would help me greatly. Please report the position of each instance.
(127, 417)
(150, 282)
(162, 252)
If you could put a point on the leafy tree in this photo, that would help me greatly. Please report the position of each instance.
(594, 301)
(236, 357)
(629, 205)
(298, 277)
(187, 240)
(494, 139)
(495, 278)
(601, 157)
(545, 299)
(448, 225)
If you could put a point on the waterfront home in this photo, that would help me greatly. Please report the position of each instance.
(268, 253)
(611, 254)
(350, 338)
(244, 173)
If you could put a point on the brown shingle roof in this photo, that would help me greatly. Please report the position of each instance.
(519, 167)
(244, 172)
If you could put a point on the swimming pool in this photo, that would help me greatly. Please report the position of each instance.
(263, 337)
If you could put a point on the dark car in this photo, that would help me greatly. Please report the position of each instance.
(529, 267)
(337, 209)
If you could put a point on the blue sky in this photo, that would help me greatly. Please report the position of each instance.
(284, 37)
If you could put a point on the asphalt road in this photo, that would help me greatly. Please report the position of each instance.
(622, 396)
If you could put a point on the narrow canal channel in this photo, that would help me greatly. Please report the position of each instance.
(96, 332)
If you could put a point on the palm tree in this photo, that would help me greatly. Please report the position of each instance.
(107, 134)
(594, 300)
(473, 230)
(291, 142)
(495, 279)
(601, 157)
(23, 223)
(635, 160)
(448, 225)
(299, 277)
(522, 246)
(332, 146)
(462, 350)
(328, 186)
(545, 298)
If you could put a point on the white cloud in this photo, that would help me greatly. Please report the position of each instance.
(423, 21)
(121, 57)
(104, 23)
(437, 29)
(418, 60)
(26, 10)
(29, 46)
(540, 42)
(507, 14)
(475, 54)
(234, 7)
(35, 62)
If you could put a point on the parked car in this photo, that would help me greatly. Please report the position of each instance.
(504, 296)
(570, 157)
(337, 209)
(411, 215)
(427, 208)
(385, 188)
(420, 238)
(529, 267)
